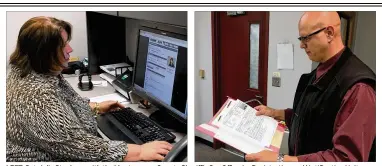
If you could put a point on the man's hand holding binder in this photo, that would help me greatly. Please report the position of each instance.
(268, 111)
(267, 155)
(237, 125)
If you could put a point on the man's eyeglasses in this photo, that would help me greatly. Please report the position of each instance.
(306, 38)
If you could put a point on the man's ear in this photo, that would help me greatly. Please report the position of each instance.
(330, 33)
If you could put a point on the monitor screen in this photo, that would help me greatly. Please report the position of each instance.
(161, 70)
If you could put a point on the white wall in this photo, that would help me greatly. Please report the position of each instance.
(203, 60)
(78, 20)
(365, 39)
(282, 28)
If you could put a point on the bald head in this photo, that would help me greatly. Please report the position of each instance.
(311, 21)
(324, 30)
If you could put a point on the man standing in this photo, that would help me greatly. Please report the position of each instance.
(334, 110)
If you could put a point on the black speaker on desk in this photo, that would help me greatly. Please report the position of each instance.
(85, 86)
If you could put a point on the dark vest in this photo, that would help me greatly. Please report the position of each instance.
(316, 106)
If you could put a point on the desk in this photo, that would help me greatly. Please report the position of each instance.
(97, 91)
(104, 90)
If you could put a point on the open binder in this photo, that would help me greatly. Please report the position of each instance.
(236, 125)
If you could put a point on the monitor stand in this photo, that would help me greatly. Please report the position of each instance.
(168, 121)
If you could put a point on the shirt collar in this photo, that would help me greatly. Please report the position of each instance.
(324, 67)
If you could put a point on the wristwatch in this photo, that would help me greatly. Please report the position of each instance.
(280, 158)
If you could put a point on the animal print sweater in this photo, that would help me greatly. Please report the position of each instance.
(48, 121)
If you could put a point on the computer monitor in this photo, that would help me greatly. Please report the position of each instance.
(106, 38)
(160, 74)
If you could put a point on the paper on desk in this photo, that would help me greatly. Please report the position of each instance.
(111, 68)
(107, 77)
(113, 96)
(285, 56)
(97, 83)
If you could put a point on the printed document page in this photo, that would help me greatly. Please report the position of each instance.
(243, 144)
(244, 127)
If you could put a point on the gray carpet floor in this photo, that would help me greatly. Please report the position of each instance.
(205, 153)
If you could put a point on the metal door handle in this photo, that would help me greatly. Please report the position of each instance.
(258, 96)
(252, 100)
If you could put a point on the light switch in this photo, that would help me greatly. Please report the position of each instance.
(201, 73)
(276, 79)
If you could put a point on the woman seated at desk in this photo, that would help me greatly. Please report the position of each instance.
(46, 119)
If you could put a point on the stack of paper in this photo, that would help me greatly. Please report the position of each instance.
(111, 68)
(107, 77)
(237, 125)
(113, 96)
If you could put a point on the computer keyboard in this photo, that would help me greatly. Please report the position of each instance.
(142, 126)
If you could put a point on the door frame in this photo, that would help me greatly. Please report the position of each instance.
(216, 72)
(350, 16)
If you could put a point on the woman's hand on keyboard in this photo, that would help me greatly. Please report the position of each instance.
(109, 105)
(155, 150)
